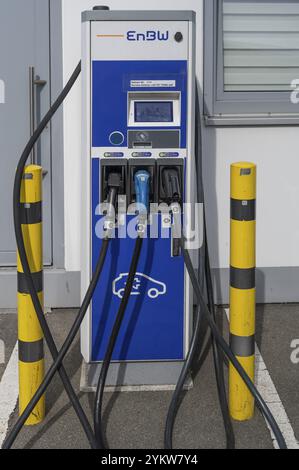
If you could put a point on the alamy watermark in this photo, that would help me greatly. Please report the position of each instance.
(295, 352)
(295, 92)
(163, 222)
(2, 91)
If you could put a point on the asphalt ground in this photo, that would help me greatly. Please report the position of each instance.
(136, 420)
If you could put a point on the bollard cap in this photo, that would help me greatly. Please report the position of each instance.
(243, 181)
(31, 188)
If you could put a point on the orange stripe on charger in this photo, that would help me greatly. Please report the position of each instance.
(110, 35)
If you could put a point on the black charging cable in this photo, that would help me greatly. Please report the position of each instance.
(219, 344)
(23, 256)
(217, 353)
(113, 185)
(204, 265)
(172, 190)
(98, 424)
(177, 395)
(57, 357)
(56, 366)
(229, 353)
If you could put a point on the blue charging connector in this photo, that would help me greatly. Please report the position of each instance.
(142, 188)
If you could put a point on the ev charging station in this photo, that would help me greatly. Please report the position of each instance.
(138, 115)
(140, 320)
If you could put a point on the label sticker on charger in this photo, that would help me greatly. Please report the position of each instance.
(153, 83)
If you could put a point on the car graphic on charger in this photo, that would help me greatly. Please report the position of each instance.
(156, 288)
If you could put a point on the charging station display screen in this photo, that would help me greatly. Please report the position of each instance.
(154, 111)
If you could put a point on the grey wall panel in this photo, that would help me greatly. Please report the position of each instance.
(273, 285)
(62, 289)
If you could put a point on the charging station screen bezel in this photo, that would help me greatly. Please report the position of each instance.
(162, 116)
(174, 98)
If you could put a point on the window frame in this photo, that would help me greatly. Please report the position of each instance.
(237, 108)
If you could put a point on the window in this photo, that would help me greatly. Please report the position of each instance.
(251, 61)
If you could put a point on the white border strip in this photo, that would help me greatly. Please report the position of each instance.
(269, 393)
(9, 391)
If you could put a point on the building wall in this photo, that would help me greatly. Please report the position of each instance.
(274, 149)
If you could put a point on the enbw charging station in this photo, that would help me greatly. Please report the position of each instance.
(138, 72)
(145, 290)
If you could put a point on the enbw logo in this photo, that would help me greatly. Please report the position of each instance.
(148, 36)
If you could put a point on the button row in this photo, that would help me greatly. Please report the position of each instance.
(141, 154)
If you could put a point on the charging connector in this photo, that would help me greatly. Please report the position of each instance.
(171, 185)
(142, 189)
(114, 184)
(173, 196)
(142, 180)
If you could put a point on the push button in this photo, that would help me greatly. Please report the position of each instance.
(116, 138)
(169, 154)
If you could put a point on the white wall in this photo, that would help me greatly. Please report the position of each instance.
(275, 150)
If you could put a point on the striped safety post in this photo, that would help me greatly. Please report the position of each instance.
(242, 286)
(31, 347)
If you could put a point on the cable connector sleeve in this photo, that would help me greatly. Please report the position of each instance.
(171, 185)
(114, 180)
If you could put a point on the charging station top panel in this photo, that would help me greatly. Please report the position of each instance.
(159, 15)
(139, 78)
(139, 40)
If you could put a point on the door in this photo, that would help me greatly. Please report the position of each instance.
(24, 99)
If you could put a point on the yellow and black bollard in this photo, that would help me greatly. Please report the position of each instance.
(242, 286)
(31, 347)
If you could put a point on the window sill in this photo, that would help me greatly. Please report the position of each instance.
(235, 120)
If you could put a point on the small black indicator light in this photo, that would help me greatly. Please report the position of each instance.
(178, 37)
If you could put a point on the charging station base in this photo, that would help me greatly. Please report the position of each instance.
(134, 377)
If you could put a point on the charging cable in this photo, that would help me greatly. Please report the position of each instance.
(57, 357)
(114, 185)
(142, 188)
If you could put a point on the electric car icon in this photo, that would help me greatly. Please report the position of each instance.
(153, 288)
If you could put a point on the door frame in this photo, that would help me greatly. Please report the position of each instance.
(57, 134)
(61, 287)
